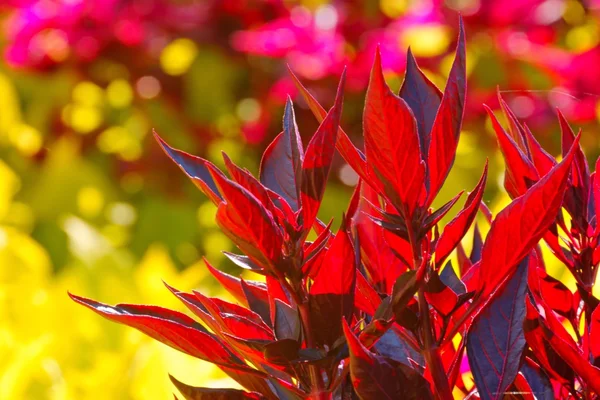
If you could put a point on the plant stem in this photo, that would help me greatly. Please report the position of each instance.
(430, 350)
(316, 378)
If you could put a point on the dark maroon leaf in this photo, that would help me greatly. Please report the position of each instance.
(287, 322)
(375, 377)
(496, 339)
(423, 98)
(256, 303)
(538, 381)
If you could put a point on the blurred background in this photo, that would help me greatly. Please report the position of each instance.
(90, 204)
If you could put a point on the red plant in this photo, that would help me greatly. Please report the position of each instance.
(374, 310)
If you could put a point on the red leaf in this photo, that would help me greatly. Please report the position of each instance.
(250, 183)
(595, 333)
(456, 229)
(344, 145)
(318, 158)
(331, 297)
(423, 98)
(375, 377)
(543, 161)
(520, 172)
(169, 327)
(446, 128)
(234, 285)
(518, 227)
(248, 223)
(281, 164)
(392, 143)
(515, 129)
(195, 168)
(554, 334)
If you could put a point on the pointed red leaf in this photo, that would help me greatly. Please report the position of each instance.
(248, 223)
(234, 285)
(195, 168)
(344, 145)
(331, 296)
(392, 143)
(518, 227)
(281, 164)
(248, 182)
(520, 172)
(541, 159)
(423, 98)
(169, 327)
(456, 229)
(515, 129)
(551, 333)
(448, 121)
(318, 158)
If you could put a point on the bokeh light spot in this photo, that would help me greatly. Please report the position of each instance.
(148, 87)
(178, 56)
(248, 110)
(90, 201)
(119, 93)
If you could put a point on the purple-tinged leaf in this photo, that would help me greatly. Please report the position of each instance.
(376, 377)
(496, 340)
(281, 165)
(195, 168)
(287, 322)
(256, 303)
(423, 98)
(244, 262)
(538, 381)
(200, 393)
(448, 121)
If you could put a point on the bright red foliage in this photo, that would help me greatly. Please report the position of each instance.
(371, 311)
